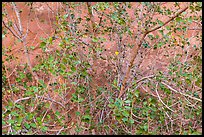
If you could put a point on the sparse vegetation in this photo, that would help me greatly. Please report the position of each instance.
(102, 68)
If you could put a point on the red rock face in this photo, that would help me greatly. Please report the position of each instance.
(42, 20)
(43, 24)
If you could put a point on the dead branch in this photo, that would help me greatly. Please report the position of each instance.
(23, 37)
(181, 92)
(15, 35)
(161, 99)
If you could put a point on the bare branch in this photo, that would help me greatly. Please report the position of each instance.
(181, 93)
(15, 35)
(48, 99)
(18, 17)
(136, 49)
(161, 99)
(158, 27)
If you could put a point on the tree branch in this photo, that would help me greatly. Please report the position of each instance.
(136, 48)
(15, 35)
(22, 38)
(158, 27)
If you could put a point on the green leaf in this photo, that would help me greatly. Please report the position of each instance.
(145, 103)
(10, 121)
(44, 128)
(160, 22)
(80, 100)
(73, 69)
(50, 40)
(65, 16)
(19, 106)
(190, 20)
(145, 127)
(35, 89)
(33, 125)
(196, 133)
(72, 16)
(125, 119)
(132, 121)
(42, 82)
(178, 19)
(27, 126)
(62, 66)
(111, 105)
(42, 44)
(125, 113)
(127, 101)
(168, 27)
(57, 113)
(38, 119)
(137, 93)
(77, 113)
(94, 39)
(121, 21)
(160, 44)
(3, 122)
(73, 83)
(128, 107)
(87, 117)
(146, 45)
(14, 113)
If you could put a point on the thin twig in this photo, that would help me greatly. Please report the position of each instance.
(48, 99)
(6, 126)
(22, 38)
(60, 130)
(146, 77)
(161, 99)
(15, 35)
(158, 27)
(18, 17)
(181, 92)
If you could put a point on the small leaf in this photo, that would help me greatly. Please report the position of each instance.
(77, 113)
(73, 83)
(38, 119)
(128, 107)
(125, 113)
(57, 113)
(145, 127)
(33, 125)
(160, 22)
(146, 45)
(178, 19)
(87, 117)
(128, 101)
(44, 129)
(145, 103)
(95, 40)
(111, 105)
(65, 16)
(125, 119)
(132, 121)
(3, 122)
(80, 100)
(42, 44)
(10, 121)
(137, 93)
(14, 113)
(27, 126)
(73, 69)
